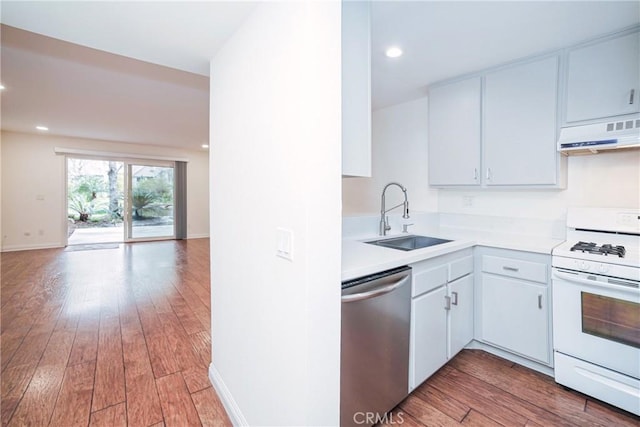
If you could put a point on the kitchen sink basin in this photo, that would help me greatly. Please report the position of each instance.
(408, 243)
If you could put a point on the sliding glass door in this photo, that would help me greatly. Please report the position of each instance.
(150, 207)
(110, 201)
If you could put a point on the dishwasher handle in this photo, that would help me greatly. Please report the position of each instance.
(377, 291)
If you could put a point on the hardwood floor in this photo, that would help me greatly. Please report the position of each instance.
(108, 337)
(118, 337)
(479, 389)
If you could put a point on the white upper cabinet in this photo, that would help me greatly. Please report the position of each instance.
(511, 119)
(604, 79)
(454, 133)
(356, 89)
(520, 124)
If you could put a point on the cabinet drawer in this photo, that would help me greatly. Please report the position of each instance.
(427, 280)
(460, 268)
(511, 267)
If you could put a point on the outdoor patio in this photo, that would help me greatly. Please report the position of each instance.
(115, 234)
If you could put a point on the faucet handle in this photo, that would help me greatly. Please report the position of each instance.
(405, 227)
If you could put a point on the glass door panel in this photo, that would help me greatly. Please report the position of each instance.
(95, 189)
(151, 202)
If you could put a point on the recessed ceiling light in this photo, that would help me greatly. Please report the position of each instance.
(43, 128)
(393, 52)
(1, 87)
(205, 145)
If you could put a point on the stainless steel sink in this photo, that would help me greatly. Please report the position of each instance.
(408, 243)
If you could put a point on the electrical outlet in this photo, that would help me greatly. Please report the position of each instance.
(284, 243)
(627, 219)
(467, 201)
(630, 221)
(40, 232)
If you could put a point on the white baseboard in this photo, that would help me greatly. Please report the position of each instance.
(198, 236)
(229, 403)
(15, 248)
(536, 366)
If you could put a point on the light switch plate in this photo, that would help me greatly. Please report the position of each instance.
(284, 243)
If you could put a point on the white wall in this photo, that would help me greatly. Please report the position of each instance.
(607, 179)
(399, 153)
(276, 162)
(31, 169)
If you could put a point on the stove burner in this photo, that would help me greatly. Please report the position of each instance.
(605, 250)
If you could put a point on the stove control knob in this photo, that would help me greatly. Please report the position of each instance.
(603, 268)
(581, 265)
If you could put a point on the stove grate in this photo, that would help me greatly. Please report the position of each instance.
(606, 249)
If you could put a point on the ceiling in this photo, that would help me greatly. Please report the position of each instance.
(117, 71)
(138, 71)
(443, 39)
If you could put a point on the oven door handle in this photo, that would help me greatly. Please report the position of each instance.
(621, 285)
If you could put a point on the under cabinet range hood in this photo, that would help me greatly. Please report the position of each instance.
(609, 135)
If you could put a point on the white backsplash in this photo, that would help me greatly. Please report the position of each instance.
(367, 226)
(555, 229)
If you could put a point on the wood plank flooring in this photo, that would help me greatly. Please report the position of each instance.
(109, 337)
(479, 389)
(118, 337)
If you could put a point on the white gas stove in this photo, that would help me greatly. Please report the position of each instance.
(596, 305)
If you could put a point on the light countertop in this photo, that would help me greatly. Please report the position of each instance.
(360, 259)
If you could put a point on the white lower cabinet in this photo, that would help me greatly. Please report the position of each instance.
(513, 310)
(460, 315)
(517, 319)
(428, 335)
(441, 312)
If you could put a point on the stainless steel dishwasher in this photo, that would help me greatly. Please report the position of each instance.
(374, 367)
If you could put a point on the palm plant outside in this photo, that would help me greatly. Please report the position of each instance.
(152, 194)
(94, 192)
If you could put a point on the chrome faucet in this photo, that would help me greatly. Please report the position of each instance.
(384, 220)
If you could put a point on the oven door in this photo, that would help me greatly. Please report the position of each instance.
(597, 319)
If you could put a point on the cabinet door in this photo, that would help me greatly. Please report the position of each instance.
(520, 110)
(515, 316)
(428, 335)
(356, 89)
(454, 133)
(461, 314)
(601, 78)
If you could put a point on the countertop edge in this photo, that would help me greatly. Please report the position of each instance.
(362, 259)
(381, 258)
